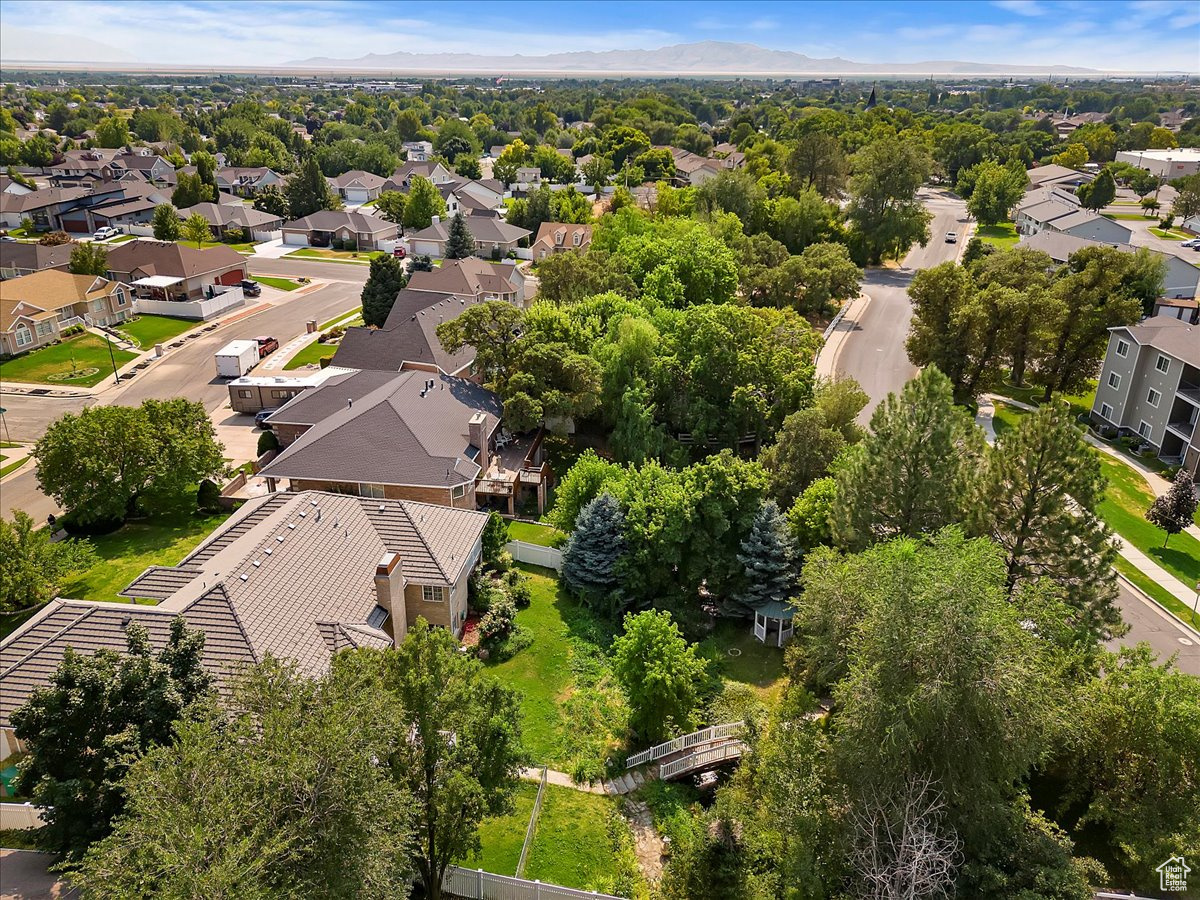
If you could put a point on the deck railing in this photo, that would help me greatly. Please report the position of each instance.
(701, 760)
(476, 884)
(685, 742)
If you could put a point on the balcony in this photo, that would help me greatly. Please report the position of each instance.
(1183, 429)
(1189, 392)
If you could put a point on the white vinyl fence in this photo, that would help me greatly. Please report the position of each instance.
(20, 816)
(193, 309)
(476, 884)
(535, 554)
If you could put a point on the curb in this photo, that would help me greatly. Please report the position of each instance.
(1183, 626)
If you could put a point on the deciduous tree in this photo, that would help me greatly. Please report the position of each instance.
(32, 565)
(659, 672)
(1173, 511)
(165, 223)
(195, 228)
(884, 210)
(424, 202)
(88, 259)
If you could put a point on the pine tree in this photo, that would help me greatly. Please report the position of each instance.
(385, 281)
(307, 191)
(1037, 500)
(767, 556)
(460, 243)
(1173, 511)
(593, 552)
(912, 474)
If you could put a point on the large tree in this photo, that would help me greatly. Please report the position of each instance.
(1099, 192)
(767, 557)
(995, 190)
(659, 673)
(424, 202)
(271, 199)
(165, 223)
(1174, 510)
(279, 793)
(308, 192)
(912, 475)
(88, 259)
(385, 280)
(884, 210)
(460, 243)
(96, 716)
(803, 450)
(460, 753)
(32, 565)
(592, 554)
(1038, 492)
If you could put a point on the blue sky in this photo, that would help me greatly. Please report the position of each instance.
(1142, 35)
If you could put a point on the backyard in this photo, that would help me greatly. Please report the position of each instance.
(146, 331)
(78, 361)
(536, 533)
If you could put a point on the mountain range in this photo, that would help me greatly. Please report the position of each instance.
(701, 58)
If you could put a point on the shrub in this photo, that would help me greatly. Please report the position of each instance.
(54, 238)
(235, 236)
(336, 243)
(517, 585)
(208, 495)
(325, 361)
(497, 623)
(350, 244)
(267, 442)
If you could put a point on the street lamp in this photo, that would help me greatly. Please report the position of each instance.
(113, 359)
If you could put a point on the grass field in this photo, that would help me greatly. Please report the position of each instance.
(1003, 235)
(310, 355)
(1127, 217)
(80, 352)
(281, 284)
(128, 551)
(530, 533)
(339, 317)
(146, 331)
(571, 846)
(751, 662)
(12, 466)
(362, 257)
(501, 837)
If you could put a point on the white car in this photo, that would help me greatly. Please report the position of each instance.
(1193, 244)
(103, 234)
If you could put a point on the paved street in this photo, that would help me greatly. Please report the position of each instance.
(1148, 623)
(185, 372)
(873, 350)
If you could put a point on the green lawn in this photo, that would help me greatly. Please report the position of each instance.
(338, 318)
(5, 445)
(1124, 508)
(324, 253)
(1170, 234)
(244, 247)
(1006, 417)
(530, 533)
(282, 284)
(147, 330)
(501, 837)
(12, 466)
(1003, 235)
(128, 551)
(1127, 217)
(571, 846)
(751, 663)
(119, 239)
(310, 355)
(77, 353)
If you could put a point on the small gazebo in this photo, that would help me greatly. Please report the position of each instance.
(773, 623)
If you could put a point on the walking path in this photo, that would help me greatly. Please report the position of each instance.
(13, 455)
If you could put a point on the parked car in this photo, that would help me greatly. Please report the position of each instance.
(399, 253)
(251, 288)
(266, 345)
(260, 417)
(1193, 244)
(8, 238)
(951, 237)
(103, 234)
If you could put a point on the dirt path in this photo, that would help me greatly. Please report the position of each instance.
(647, 841)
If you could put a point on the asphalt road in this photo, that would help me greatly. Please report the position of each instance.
(185, 372)
(1147, 623)
(873, 352)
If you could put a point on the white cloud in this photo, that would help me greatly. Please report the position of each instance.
(1021, 7)
(764, 23)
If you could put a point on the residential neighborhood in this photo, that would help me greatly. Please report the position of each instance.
(457, 452)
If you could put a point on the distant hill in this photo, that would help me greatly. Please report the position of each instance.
(703, 58)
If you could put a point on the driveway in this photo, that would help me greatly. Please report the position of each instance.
(272, 249)
(23, 876)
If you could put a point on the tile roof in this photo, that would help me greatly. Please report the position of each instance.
(481, 228)
(472, 276)
(397, 434)
(166, 258)
(291, 575)
(409, 335)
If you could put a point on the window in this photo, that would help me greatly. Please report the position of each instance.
(458, 491)
(1122, 348)
(577, 239)
(23, 336)
(1114, 380)
(1106, 411)
(1144, 429)
(45, 328)
(1163, 364)
(371, 490)
(121, 297)
(245, 395)
(433, 593)
(1153, 397)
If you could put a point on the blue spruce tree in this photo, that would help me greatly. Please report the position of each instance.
(767, 557)
(592, 553)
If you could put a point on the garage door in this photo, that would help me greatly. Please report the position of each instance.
(75, 226)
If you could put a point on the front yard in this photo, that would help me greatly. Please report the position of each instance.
(329, 255)
(310, 355)
(147, 330)
(79, 361)
(1002, 236)
(280, 284)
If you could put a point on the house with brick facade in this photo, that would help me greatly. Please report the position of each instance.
(409, 435)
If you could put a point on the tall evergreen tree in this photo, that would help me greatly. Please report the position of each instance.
(593, 552)
(460, 243)
(307, 191)
(1037, 500)
(385, 281)
(767, 556)
(1173, 511)
(912, 475)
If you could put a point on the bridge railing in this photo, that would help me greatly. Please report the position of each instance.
(685, 742)
(701, 760)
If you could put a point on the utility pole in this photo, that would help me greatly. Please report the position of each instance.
(113, 359)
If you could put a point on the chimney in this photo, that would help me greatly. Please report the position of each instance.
(437, 220)
(475, 430)
(389, 593)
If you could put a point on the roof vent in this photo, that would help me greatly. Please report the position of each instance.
(382, 507)
(314, 502)
(280, 538)
(257, 563)
(291, 525)
(303, 513)
(269, 551)
(349, 402)
(243, 576)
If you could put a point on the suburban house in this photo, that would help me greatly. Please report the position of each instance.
(133, 209)
(246, 181)
(46, 207)
(17, 259)
(152, 168)
(410, 435)
(324, 226)
(295, 576)
(1166, 164)
(1058, 210)
(408, 339)
(254, 393)
(401, 179)
(9, 185)
(258, 225)
(529, 175)
(1056, 176)
(555, 237)
(693, 169)
(494, 238)
(35, 309)
(81, 163)
(1150, 387)
(357, 186)
(417, 151)
(165, 271)
(1180, 283)
(473, 277)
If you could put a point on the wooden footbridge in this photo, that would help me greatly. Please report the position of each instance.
(700, 751)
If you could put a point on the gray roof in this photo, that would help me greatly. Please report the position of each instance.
(333, 219)
(408, 336)
(313, 406)
(291, 575)
(398, 434)
(35, 256)
(1170, 335)
(481, 228)
(1049, 210)
(1044, 174)
(359, 178)
(1082, 217)
(226, 214)
(471, 276)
